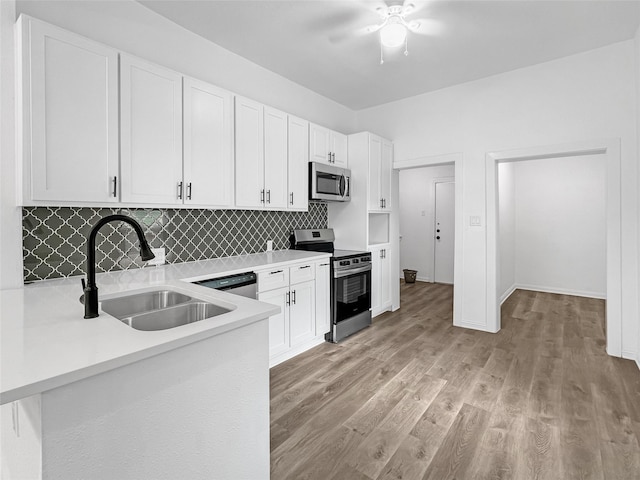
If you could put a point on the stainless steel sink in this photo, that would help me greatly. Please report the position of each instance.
(160, 309)
(129, 305)
(174, 316)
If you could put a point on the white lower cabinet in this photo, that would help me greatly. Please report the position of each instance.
(380, 281)
(278, 324)
(294, 289)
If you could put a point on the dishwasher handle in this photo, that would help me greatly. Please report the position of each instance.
(230, 281)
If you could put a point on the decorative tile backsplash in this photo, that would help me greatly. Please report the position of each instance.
(54, 237)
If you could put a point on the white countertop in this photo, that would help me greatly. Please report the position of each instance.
(46, 342)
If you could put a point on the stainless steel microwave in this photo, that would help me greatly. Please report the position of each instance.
(330, 183)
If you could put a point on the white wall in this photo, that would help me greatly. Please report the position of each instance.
(561, 224)
(417, 196)
(506, 229)
(637, 71)
(582, 97)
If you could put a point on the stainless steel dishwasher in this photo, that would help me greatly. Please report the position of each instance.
(243, 284)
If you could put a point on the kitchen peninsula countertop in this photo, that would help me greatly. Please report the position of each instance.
(46, 342)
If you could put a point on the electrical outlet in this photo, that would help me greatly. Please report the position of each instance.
(160, 257)
(474, 221)
(269, 245)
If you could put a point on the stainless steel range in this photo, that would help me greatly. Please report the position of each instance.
(350, 282)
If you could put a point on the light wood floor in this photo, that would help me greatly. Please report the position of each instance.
(414, 397)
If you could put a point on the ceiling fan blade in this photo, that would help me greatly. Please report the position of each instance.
(360, 32)
(426, 26)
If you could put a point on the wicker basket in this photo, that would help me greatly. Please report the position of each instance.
(410, 275)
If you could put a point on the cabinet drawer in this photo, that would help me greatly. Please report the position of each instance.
(302, 273)
(275, 278)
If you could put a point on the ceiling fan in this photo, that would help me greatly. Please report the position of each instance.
(394, 28)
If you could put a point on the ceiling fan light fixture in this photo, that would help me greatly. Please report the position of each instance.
(393, 34)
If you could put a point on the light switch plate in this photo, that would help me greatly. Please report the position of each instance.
(160, 257)
(474, 221)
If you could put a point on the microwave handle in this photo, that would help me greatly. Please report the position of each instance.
(343, 185)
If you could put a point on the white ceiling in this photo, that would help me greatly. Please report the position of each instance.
(315, 43)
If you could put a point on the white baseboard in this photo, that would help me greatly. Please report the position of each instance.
(560, 291)
(420, 279)
(297, 350)
(507, 294)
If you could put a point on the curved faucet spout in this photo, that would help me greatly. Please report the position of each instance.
(91, 289)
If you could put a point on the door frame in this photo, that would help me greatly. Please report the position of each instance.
(611, 149)
(435, 181)
(456, 159)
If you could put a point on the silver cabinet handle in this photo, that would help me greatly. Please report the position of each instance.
(324, 264)
(277, 271)
(288, 298)
(380, 203)
(268, 196)
(179, 190)
(291, 201)
(189, 191)
(306, 266)
(329, 157)
(293, 297)
(262, 196)
(115, 187)
(334, 157)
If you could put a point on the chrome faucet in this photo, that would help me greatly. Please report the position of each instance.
(90, 288)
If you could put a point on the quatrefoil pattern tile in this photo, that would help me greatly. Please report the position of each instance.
(54, 237)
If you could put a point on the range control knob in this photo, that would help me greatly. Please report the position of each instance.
(355, 260)
(344, 263)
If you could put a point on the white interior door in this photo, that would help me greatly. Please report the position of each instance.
(444, 232)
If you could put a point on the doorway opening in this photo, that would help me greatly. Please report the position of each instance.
(417, 218)
(607, 263)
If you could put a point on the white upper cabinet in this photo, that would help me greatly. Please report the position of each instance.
(298, 180)
(275, 159)
(327, 146)
(386, 170)
(379, 178)
(208, 144)
(338, 147)
(249, 145)
(69, 116)
(151, 133)
(319, 144)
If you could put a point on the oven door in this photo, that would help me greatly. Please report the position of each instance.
(350, 302)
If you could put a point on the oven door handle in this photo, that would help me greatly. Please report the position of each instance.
(351, 271)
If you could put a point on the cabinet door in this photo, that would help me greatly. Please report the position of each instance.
(279, 323)
(386, 165)
(70, 114)
(323, 299)
(302, 312)
(376, 268)
(275, 158)
(298, 164)
(249, 146)
(318, 144)
(375, 160)
(385, 279)
(338, 144)
(151, 132)
(208, 144)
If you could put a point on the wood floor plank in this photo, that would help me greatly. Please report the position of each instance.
(453, 458)
(415, 397)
